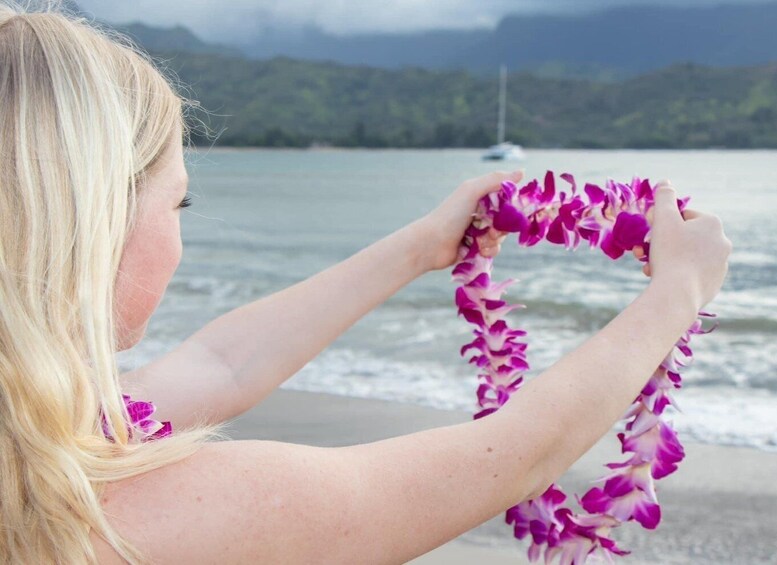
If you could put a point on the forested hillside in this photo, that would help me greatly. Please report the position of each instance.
(285, 102)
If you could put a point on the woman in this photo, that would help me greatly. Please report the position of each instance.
(92, 179)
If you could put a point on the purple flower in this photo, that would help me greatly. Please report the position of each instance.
(629, 230)
(627, 495)
(510, 219)
(140, 422)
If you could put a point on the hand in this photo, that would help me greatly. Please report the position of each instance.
(444, 226)
(687, 250)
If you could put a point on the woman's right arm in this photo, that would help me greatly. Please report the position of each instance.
(389, 501)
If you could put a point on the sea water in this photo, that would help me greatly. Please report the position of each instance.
(263, 220)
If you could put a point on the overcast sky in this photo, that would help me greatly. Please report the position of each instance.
(236, 19)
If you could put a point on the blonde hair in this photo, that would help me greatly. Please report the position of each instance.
(84, 117)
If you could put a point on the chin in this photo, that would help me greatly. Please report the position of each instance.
(131, 339)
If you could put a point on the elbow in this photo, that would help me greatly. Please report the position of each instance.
(539, 462)
(547, 469)
(538, 488)
(545, 473)
(542, 473)
(536, 481)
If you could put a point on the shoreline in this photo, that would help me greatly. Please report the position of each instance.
(719, 507)
(335, 148)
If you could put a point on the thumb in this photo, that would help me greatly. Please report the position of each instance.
(665, 206)
(493, 181)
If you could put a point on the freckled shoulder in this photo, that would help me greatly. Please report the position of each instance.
(181, 513)
(147, 510)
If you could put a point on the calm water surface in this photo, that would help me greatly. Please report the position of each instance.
(262, 220)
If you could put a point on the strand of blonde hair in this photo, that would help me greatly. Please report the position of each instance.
(85, 115)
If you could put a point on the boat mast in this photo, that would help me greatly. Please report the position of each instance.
(500, 132)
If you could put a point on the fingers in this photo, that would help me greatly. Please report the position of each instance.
(492, 181)
(663, 210)
(496, 234)
(665, 205)
(639, 252)
(490, 251)
(689, 214)
(491, 242)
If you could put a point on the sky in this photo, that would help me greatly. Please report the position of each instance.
(238, 19)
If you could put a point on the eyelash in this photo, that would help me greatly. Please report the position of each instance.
(185, 202)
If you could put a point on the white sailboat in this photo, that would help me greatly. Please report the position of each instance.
(503, 149)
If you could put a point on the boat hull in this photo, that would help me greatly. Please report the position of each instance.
(504, 152)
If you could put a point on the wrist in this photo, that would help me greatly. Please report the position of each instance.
(419, 245)
(416, 246)
(677, 295)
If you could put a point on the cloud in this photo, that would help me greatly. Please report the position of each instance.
(210, 19)
(243, 19)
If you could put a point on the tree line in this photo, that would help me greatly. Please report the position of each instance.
(283, 102)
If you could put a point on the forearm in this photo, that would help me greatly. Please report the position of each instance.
(576, 401)
(267, 341)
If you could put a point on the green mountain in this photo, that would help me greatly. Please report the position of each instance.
(286, 102)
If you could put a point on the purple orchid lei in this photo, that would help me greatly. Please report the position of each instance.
(142, 425)
(611, 218)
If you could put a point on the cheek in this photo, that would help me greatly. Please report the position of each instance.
(149, 261)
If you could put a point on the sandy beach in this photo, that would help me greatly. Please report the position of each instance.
(719, 507)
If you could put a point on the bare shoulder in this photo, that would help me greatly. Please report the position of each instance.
(383, 503)
(233, 502)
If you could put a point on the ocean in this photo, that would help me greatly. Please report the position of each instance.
(264, 219)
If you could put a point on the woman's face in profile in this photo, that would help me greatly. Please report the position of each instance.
(153, 249)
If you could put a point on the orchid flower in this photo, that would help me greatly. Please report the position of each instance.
(611, 218)
(141, 423)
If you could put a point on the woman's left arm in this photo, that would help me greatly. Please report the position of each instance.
(236, 360)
